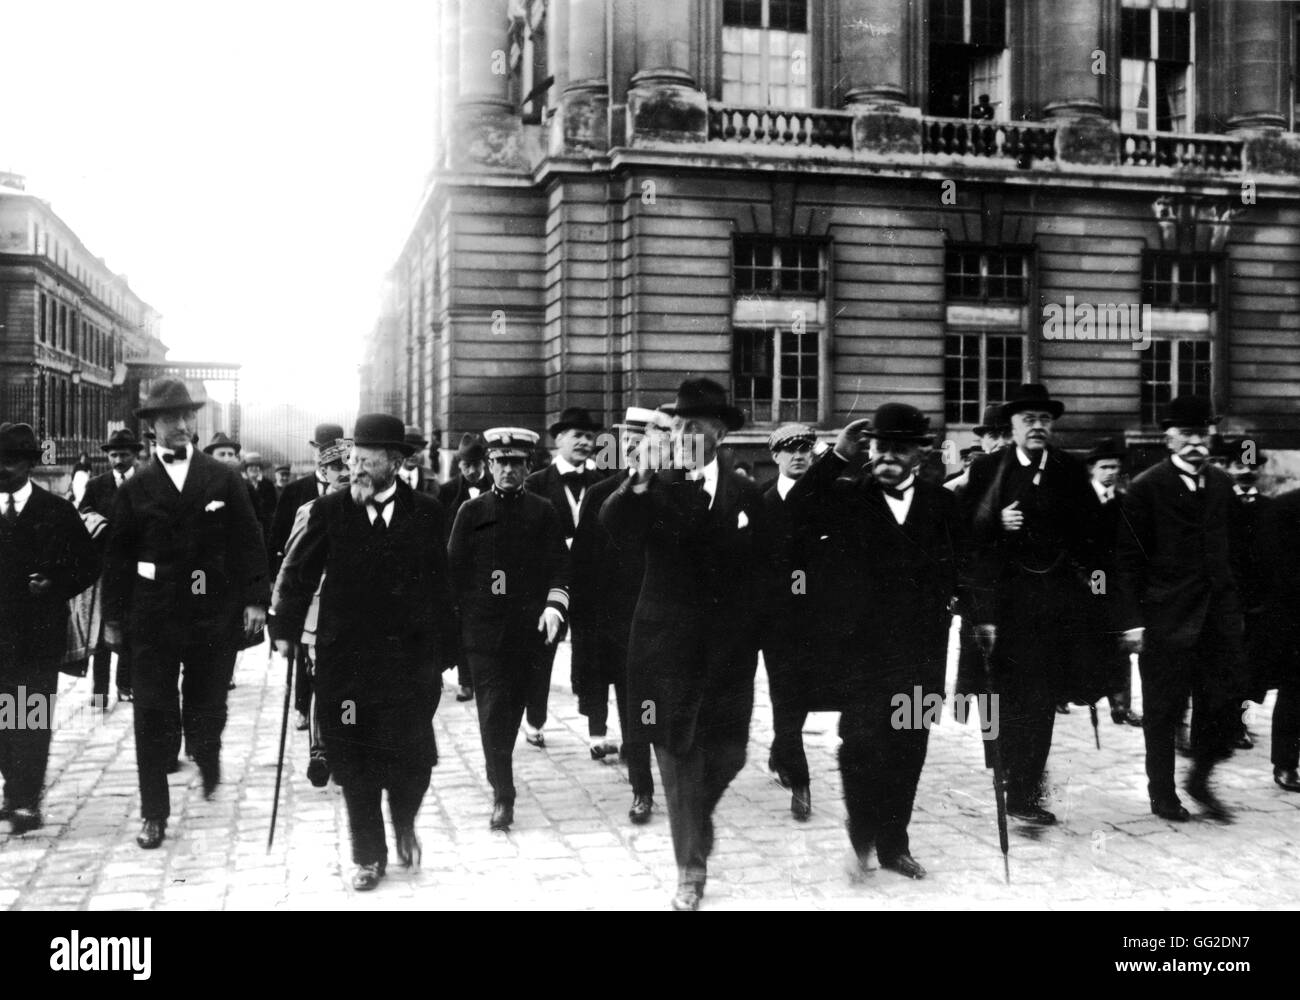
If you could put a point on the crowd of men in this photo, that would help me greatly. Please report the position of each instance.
(670, 574)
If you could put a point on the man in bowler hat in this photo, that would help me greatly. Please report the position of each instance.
(1180, 608)
(413, 472)
(693, 649)
(46, 558)
(185, 582)
(510, 571)
(386, 630)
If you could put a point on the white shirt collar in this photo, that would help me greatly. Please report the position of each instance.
(382, 497)
(907, 483)
(1245, 491)
(899, 506)
(564, 466)
(20, 497)
(784, 484)
(1185, 468)
(1026, 461)
(1103, 492)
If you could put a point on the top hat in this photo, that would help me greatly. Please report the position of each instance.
(1031, 396)
(415, 438)
(326, 435)
(788, 434)
(253, 458)
(703, 397)
(575, 418)
(900, 422)
(1106, 448)
(993, 421)
(221, 440)
(641, 419)
(19, 441)
(510, 442)
(167, 394)
(1188, 411)
(471, 448)
(121, 439)
(379, 430)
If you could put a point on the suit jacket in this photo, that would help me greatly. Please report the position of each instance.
(454, 492)
(508, 562)
(1280, 565)
(1245, 546)
(100, 493)
(693, 651)
(206, 547)
(49, 538)
(264, 503)
(879, 593)
(1173, 557)
(386, 624)
(293, 496)
(426, 483)
(547, 483)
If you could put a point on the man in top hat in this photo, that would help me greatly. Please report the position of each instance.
(993, 432)
(1180, 608)
(784, 618)
(185, 581)
(471, 480)
(606, 584)
(693, 649)
(46, 558)
(386, 631)
(123, 449)
(1029, 508)
(1106, 667)
(413, 473)
(510, 574)
(564, 483)
(224, 449)
(882, 578)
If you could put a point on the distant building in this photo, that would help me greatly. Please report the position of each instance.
(790, 196)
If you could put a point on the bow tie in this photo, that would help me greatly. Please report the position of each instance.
(178, 455)
(893, 491)
(573, 479)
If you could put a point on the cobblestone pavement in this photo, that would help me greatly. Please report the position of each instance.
(572, 846)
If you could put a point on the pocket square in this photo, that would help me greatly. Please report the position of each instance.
(741, 520)
(214, 505)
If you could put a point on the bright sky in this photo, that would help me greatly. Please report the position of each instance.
(252, 166)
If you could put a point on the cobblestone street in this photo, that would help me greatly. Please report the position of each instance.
(572, 846)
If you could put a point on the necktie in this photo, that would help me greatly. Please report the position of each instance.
(178, 455)
(379, 505)
(897, 494)
(11, 508)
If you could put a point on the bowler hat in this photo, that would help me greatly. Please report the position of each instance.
(900, 422)
(703, 397)
(575, 418)
(1031, 396)
(19, 441)
(1188, 411)
(326, 435)
(471, 448)
(415, 438)
(167, 394)
(1106, 448)
(379, 430)
(221, 440)
(993, 421)
(121, 439)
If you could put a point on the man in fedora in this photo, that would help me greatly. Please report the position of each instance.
(785, 616)
(385, 632)
(510, 573)
(1029, 508)
(123, 449)
(1106, 667)
(882, 581)
(564, 483)
(46, 559)
(185, 582)
(413, 473)
(606, 584)
(471, 480)
(693, 648)
(1180, 609)
(224, 449)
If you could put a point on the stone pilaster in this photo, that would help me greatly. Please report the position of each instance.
(487, 131)
(1259, 71)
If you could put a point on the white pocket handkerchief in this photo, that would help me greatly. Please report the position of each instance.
(741, 520)
(147, 570)
(215, 505)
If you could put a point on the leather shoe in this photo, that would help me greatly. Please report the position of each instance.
(503, 814)
(318, 768)
(1287, 778)
(1063, 708)
(1031, 812)
(22, 820)
(464, 693)
(642, 805)
(689, 893)
(535, 737)
(125, 694)
(1127, 717)
(409, 851)
(1198, 787)
(366, 877)
(174, 767)
(801, 802)
(152, 833)
(1170, 809)
(602, 747)
(211, 779)
(904, 864)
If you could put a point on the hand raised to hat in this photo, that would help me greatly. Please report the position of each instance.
(852, 441)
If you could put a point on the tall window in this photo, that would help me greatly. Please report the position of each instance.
(40, 326)
(527, 41)
(1172, 281)
(968, 59)
(984, 347)
(1157, 49)
(778, 322)
(1173, 368)
(765, 53)
(979, 369)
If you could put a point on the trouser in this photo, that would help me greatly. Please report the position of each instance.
(464, 676)
(364, 797)
(503, 683)
(693, 783)
(786, 757)
(971, 675)
(25, 740)
(301, 678)
(636, 755)
(100, 668)
(1286, 725)
(1026, 705)
(539, 688)
(160, 718)
(880, 766)
(1168, 676)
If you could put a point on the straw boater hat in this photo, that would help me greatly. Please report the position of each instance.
(640, 419)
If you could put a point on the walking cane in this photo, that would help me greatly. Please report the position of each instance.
(999, 786)
(1096, 731)
(284, 732)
